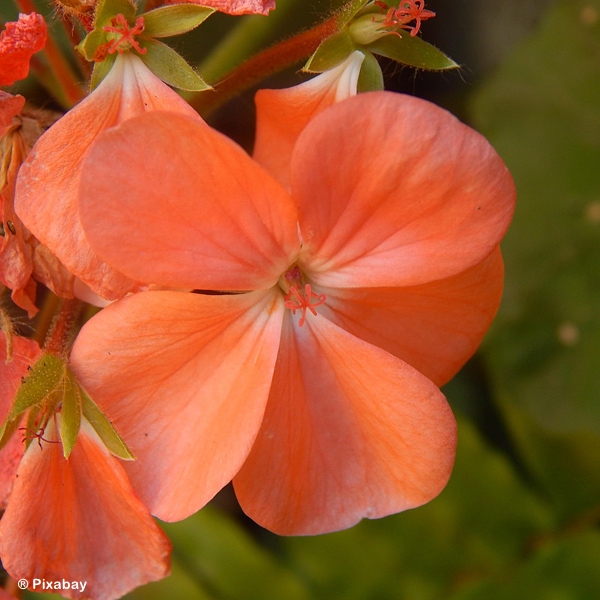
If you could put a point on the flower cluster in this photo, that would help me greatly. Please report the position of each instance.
(282, 320)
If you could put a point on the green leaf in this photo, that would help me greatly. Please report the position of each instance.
(167, 65)
(45, 377)
(330, 53)
(370, 78)
(541, 113)
(70, 414)
(174, 19)
(103, 427)
(7, 430)
(223, 557)
(412, 51)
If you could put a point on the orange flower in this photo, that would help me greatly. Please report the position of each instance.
(374, 280)
(76, 519)
(47, 189)
(18, 42)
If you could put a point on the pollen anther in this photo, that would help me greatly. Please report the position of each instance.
(125, 39)
(307, 300)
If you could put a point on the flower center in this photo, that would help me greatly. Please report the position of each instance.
(407, 11)
(300, 295)
(122, 38)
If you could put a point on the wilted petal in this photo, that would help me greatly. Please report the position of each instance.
(47, 195)
(393, 190)
(194, 211)
(18, 42)
(434, 327)
(184, 378)
(10, 106)
(78, 519)
(234, 7)
(281, 115)
(349, 432)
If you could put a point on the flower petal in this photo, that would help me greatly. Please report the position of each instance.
(349, 432)
(18, 42)
(10, 106)
(281, 115)
(79, 519)
(185, 379)
(24, 352)
(434, 327)
(47, 194)
(194, 210)
(393, 190)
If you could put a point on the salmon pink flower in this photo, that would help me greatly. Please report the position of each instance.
(47, 187)
(313, 383)
(18, 42)
(78, 518)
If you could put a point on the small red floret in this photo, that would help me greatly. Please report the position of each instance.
(296, 300)
(18, 42)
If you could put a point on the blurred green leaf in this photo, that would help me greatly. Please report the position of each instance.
(542, 113)
(220, 556)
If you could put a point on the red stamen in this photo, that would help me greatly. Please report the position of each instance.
(126, 40)
(296, 300)
(407, 11)
(39, 435)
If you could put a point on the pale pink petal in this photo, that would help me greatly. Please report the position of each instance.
(18, 42)
(434, 327)
(281, 115)
(24, 353)
(47, 194)
(234, 7)
(184, 378)
(79, 520)
(349, 432)
(393, 190)
(194, 211)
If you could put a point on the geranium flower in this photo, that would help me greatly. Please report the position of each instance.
(373, 280)
(76, 519)
(18, 42)
(47, 187)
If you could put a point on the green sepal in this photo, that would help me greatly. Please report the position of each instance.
(349, 11)
(103, 427)
(31, 426)
(70, 414)
(174, 19)
(107, 9)
(330, 53)
(167, 65)
(101, 70)
(45, 377)
(370, 78)
(412, 51)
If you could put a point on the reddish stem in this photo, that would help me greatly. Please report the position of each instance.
(266, 63)
(62, 330)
